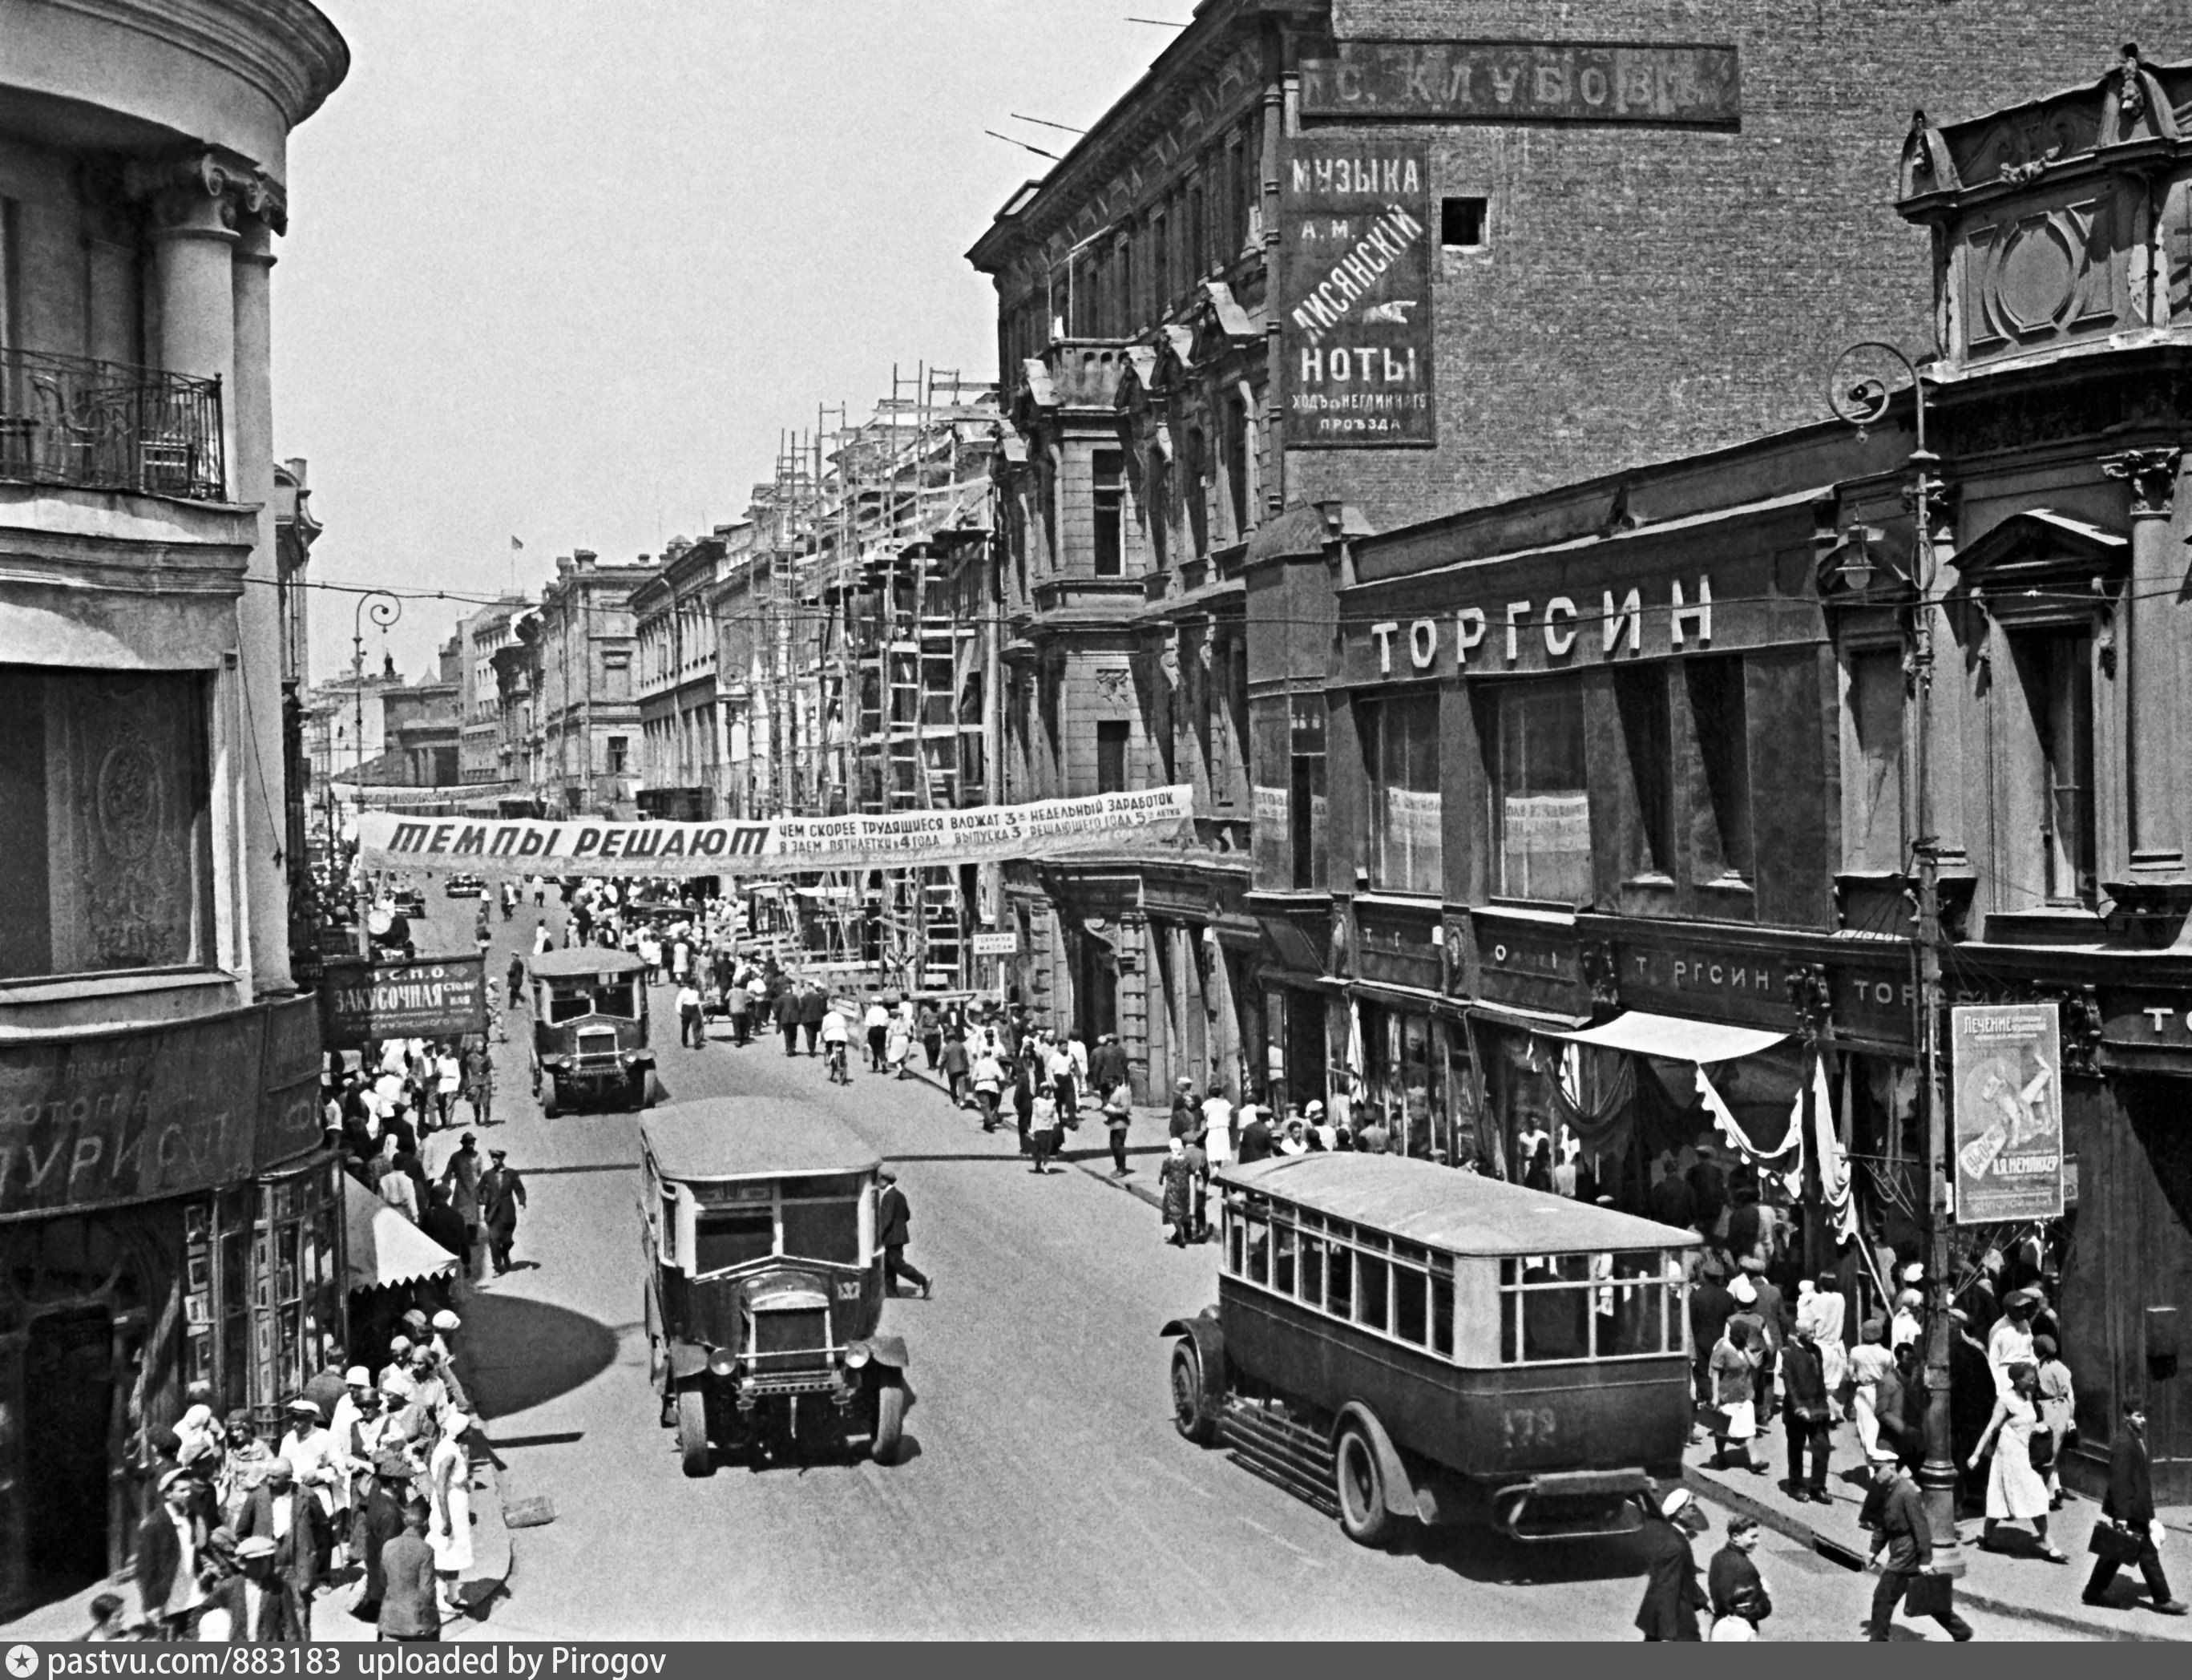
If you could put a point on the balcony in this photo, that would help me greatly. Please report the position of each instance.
(105, 425)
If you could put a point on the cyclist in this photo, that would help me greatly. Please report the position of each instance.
(836, 1031)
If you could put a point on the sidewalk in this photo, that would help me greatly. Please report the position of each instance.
(1088, 1149)
(2019, 1583)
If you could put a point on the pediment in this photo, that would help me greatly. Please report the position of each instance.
(2041, 548)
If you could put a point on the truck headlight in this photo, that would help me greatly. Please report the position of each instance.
(721, 1363)
(856, 1356)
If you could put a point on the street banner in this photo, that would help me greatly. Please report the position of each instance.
(2007, 1065)
(1354, 301)
(423, 997)
(521, 846)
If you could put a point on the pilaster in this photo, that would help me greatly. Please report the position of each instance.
(2157, 622)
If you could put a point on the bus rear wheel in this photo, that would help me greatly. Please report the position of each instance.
(1190, 1413)
(1359, 1481)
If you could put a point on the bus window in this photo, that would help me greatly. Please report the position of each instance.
(727, 1239)
(1256, 1242)
(1632, 1309)
(1285, 1244)
(1408, 1293)
(1339, 1281)
(1370, 1290)
(1233, 1262)
(1554, 1313)
(1312, 1270)
(1442, 1315)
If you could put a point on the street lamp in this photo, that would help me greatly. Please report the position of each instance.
(384, 610)
(1859, 390)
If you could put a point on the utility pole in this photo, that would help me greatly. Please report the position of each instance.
(384, 610)
(1863, 398)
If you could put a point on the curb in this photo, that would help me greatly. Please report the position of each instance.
(1102, 1175)
(1708, 1487)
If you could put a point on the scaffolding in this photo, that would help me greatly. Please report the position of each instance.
(871, 608)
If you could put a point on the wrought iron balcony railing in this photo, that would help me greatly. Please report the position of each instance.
(105, 425)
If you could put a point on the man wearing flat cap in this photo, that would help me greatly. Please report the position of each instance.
(258, 1605)
(310, 1451)
(295, 1530)
(383, 1522)
(502, 1194)
(170, 1542)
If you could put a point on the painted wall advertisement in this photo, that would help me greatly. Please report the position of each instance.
(1670, 86)
(2008, 1070)
(427, 997)
(1355, 293)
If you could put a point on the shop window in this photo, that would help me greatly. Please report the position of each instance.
(1400, 753)
(1872, 785)
(1640, 698)
(2055, 670)
(1305, 797)
(1719, 821)
(1540, 802)
(1108, 475)
(105, 822)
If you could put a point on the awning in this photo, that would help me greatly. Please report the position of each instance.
(385, 1249)
(1673, 1038)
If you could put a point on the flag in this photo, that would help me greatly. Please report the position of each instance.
(514, 544)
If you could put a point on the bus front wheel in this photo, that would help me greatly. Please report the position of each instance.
(1191, 1412)
(1359, 1483)
(693, 1432)
(890, 1423)
(548, 1096)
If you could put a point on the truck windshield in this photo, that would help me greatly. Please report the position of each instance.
(732, 1238)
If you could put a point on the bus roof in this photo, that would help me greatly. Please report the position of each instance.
(581, 960)
(749, 1137)
(1444, 1207)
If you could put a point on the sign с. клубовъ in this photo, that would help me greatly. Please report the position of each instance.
(1355, 293)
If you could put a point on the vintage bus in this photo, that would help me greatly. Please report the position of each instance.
(1395, 1340)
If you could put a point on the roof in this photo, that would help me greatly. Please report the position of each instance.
(750, 1137)
(1446, 1208)
(582, 959)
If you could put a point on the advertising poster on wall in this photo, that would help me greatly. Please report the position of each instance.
(1355, 293)
(2007, 1070)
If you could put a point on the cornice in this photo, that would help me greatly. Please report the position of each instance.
(286, 48)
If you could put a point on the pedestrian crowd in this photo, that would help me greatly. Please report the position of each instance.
(365, 1484)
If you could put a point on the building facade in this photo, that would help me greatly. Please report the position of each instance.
(586, 699)
(682, 748)
(152, 1036)
(479, 700)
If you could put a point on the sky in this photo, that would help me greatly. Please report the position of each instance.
(563, 270)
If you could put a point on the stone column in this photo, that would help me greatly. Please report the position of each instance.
(250, 426)
(193, 240)
(2151, 627)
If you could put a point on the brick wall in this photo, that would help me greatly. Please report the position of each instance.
(1646, 293)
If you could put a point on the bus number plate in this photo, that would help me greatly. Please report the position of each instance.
(848, 1291)
(1530, 1426)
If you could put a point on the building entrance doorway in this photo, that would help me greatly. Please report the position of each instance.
(68, 1405)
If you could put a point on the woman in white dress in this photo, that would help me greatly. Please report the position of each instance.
(1870, 1361)
(2015, 1491)
(449, 1489)
(1822, 1313)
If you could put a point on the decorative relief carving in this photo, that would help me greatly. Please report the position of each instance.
(178, 187)
(2152, 476)
(2047, 272)
(1115, 683)
(1600, 971)
(1812, 997)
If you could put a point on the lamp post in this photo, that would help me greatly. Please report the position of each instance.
(1861, 395)
(384, 610)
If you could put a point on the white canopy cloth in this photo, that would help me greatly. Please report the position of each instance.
(1673, 1038)
(385, 1249)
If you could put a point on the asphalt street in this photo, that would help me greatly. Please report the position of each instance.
(1043, 1492)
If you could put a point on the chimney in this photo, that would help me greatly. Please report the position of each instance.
(583, 559)
(562, 565)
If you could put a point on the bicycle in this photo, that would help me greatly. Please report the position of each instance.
(834, 1060)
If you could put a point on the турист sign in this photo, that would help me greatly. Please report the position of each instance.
(1355, 298)
(2008, 1063)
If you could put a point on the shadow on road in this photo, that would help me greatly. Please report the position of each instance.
(524, 1353)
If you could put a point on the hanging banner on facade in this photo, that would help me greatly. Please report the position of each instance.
(2007, 1065)
(520, 846)
(425, 997)
(1526, 81)
(1355, 293)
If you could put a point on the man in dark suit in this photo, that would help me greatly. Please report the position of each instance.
(1672, 1594)
(1107, 1063)
(279, 1512)
(170, 1545)
(261, 1609)
(1809, 1420)
(408, 1610)
(1254, 1143)
(892, 1221)
(2129, 1505)
(813, 1005)
(501, 1195)
(382, 1522)
(1907, 1540)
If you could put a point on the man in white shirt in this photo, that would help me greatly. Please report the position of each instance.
(311, 1450)
(877, 1021)
(1058, 1068)
(692, 1031)
(1217, 1127)
(400, 1193)
(448, 1078)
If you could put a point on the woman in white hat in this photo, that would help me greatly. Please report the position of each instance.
(449, 1492)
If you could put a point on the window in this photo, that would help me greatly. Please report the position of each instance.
(1461, 223)
(620, 751)
(1719, 821)
(1157, 511)
(1312, 1270)
(1159, 266)
(1639, 697)
(823, 1229)
(1305, 802)
(1198, 258)
(1108, 476)
(1198, 492)
(1372, 1290)
(1111, 736)
(1236, 465)
(2055, 667)
(1540, 805)
(1605, 1306)
(1410, 1292)
(1872, 791)
(1400, 755)
(728, 1239)
(104, 821)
